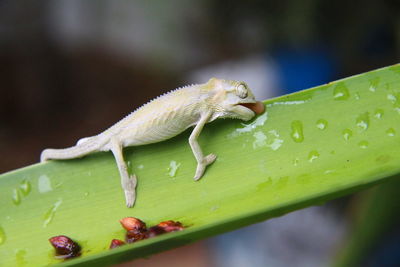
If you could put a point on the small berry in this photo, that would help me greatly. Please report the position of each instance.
(65, 247)
(116, 243)
(131, 237)
(171, 226)
(155, 231)
(132, 224)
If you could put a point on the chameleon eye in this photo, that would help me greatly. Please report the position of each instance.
(241, 91)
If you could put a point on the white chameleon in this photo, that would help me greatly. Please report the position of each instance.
(165, 117)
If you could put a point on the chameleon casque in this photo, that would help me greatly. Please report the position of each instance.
(165, 117)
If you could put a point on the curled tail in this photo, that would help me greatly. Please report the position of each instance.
(82, 148)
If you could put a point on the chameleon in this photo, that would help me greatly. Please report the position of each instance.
(165, 117)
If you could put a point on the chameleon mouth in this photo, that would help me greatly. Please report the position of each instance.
(257, 107)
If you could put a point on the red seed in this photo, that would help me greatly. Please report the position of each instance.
(65, 247)
(116, 243)
(155, 231)
(132, 237)
(132, 224)
(171, 226)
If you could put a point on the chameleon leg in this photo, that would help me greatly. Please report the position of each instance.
(202, 161)
(128, 182)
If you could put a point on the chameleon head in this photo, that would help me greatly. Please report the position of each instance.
(233, 99)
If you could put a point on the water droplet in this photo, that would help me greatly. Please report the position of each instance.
(378, 113)
(140, 167)
(260, 139)
(392, 98)
(2, 236)
(295, 162)
(313, 155)
(259, 121)
(214, 208)
(357, 96)
(347, 133)
(390, 132)
(322, 124)
(341, 92)
(44, 184)
(374, 84)
(20, 257)
(48, 217)
(363, 144)
(25, 187)
(86, 194)
(363, 121)
(173, 168)
(16, 197)
(297, 131)
(271, 139)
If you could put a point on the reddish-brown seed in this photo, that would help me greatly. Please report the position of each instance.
(116, 243)
(65, 247)
(132, 224)
(171, 226)
(131, 237)
(155, 231)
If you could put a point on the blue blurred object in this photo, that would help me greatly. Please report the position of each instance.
(387, 253)
(301, 68)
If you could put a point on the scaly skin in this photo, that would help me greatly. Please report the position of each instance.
(165, 117)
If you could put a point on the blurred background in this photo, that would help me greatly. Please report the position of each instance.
(71, 68)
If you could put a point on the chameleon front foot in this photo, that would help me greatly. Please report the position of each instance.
(130, 191)
(201, 166)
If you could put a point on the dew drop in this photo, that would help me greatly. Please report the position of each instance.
(392, 98)
(313, 155)
(269, 139)
(390, 132)
(173, 168)
(374, 82)
(2, 236)
(259, 139)
(297, 131)
(16, 197)
(363, 144)
(357, 96)
(347, 134)
(140, 167)
(322, 124)
(341, 92)
(49, 216)
(25, 187)
(44, 184)
(296, 162)
(379, 113)
(362, 121)
(20, 255)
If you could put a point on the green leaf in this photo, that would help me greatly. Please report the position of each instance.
(307, 148)
(378, 211)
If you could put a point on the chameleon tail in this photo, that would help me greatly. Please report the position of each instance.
(80, 150)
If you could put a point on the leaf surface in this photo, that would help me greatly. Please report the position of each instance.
(307, 148)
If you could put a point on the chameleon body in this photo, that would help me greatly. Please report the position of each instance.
(165, 117)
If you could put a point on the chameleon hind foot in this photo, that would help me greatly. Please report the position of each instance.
(201, 167)
(130, 191)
